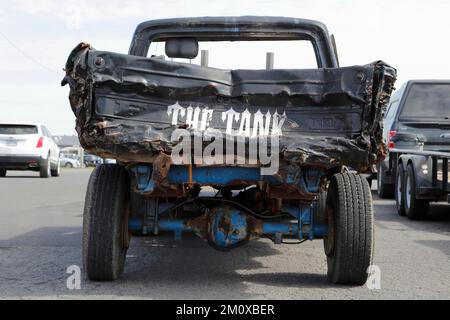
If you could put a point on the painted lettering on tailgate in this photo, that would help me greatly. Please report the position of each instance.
(247, 124)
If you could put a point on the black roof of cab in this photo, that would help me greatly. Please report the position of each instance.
(237, 28)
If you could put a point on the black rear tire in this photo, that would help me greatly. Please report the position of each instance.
(415, 209)
(45, 170)
(399, 190)
(56, 172)
(385, 191)
(349, 243)
(2, 173)
(105, 223)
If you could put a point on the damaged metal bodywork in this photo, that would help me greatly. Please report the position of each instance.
(131, 107)
(127, 107)
(333, 115)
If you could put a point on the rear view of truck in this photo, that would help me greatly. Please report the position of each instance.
(228, 154)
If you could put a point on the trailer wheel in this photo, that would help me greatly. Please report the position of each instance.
(399, 189)
(105, 223)
(415, 209)
(349, 243)
(2, 173)
(385, 191)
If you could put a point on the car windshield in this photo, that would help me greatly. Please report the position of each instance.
(17, 129)
(427, 101)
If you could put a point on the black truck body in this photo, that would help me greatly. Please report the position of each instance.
(333, 114)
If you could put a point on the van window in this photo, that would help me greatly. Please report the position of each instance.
(427, 101)
(392, 110)
(14, 129)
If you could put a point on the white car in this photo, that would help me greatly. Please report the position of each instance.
(69, 162)
(28, 146)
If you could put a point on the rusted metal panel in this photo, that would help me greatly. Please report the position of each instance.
(332, 116)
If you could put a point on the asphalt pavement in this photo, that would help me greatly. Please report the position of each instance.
(40, 237)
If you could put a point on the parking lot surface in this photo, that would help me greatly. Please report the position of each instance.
(40, 237)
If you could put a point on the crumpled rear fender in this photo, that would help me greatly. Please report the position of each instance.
(332, 116)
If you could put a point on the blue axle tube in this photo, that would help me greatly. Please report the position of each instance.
(292, 229)
(269, 228)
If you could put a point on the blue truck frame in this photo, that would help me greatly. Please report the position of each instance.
(304, 228)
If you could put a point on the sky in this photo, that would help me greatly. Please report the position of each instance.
(37, 36)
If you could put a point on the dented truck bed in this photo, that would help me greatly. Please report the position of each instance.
(127, 106)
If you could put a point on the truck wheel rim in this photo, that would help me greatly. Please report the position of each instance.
(408, 192)
(399, 191)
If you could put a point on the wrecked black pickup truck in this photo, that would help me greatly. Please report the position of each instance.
(228, 154)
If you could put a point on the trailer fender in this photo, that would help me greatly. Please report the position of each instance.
(422, 170)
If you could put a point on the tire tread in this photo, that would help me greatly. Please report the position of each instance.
(105, 205)
(354, 229)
